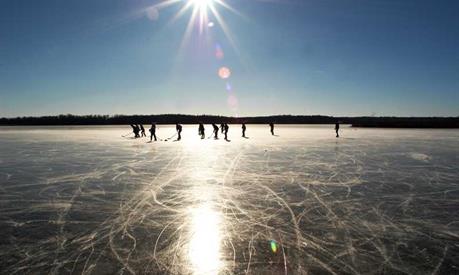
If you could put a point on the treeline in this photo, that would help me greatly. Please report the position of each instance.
(405, 122)
(392, 122)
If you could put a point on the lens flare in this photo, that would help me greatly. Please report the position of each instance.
(152, 13)
(219, 52)
(228, 87)
(224, 73)
(233, 103)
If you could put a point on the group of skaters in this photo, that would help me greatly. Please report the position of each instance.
(223, 128)
(139, 131)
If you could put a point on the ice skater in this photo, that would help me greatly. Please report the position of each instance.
(135, 130)
(142, 130)
(337, 129)
(222, 128)
(215, 130)
(153, 131)
(243, 130)
(178, 127)
(226, 128)
(138, 130)
(271, 125)
(201, 131)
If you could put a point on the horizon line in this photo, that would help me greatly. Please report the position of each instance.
(225, 116)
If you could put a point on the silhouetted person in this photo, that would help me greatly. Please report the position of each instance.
(138, 130)
(153, 131)
(215, 130)
(178, 127)
(226, 128)
(135, 130)
(337, 128)
(201, 131)
(243, 129)
(142, 130)
(222, 128)
(271, 125)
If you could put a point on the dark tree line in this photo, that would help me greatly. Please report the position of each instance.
(392, 122)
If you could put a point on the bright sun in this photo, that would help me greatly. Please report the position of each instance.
(204, 15)
(202, 4)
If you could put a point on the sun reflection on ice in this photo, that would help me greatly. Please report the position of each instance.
(205, 239)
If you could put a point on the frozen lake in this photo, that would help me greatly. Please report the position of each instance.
(85, 200)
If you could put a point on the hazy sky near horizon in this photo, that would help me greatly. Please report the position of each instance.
(330, 57)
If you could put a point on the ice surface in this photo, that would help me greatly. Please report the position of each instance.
(85, 200)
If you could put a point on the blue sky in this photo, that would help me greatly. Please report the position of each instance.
(330, 57)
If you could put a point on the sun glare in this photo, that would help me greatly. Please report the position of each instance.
(204, 27)
(202, 4)
(205, 239)
(202, 11)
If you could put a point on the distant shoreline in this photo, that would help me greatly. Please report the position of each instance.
(366, 122)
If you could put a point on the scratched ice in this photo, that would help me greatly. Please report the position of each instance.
(87, 201)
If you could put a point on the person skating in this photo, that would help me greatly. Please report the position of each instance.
(142, 130)
(153, 131)
(243, 130)
(337, 129)
(135, 130)
(178, 127)
(222, 128)
(201, 131)
(271, 125)
(215, 130)
(226, 128)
